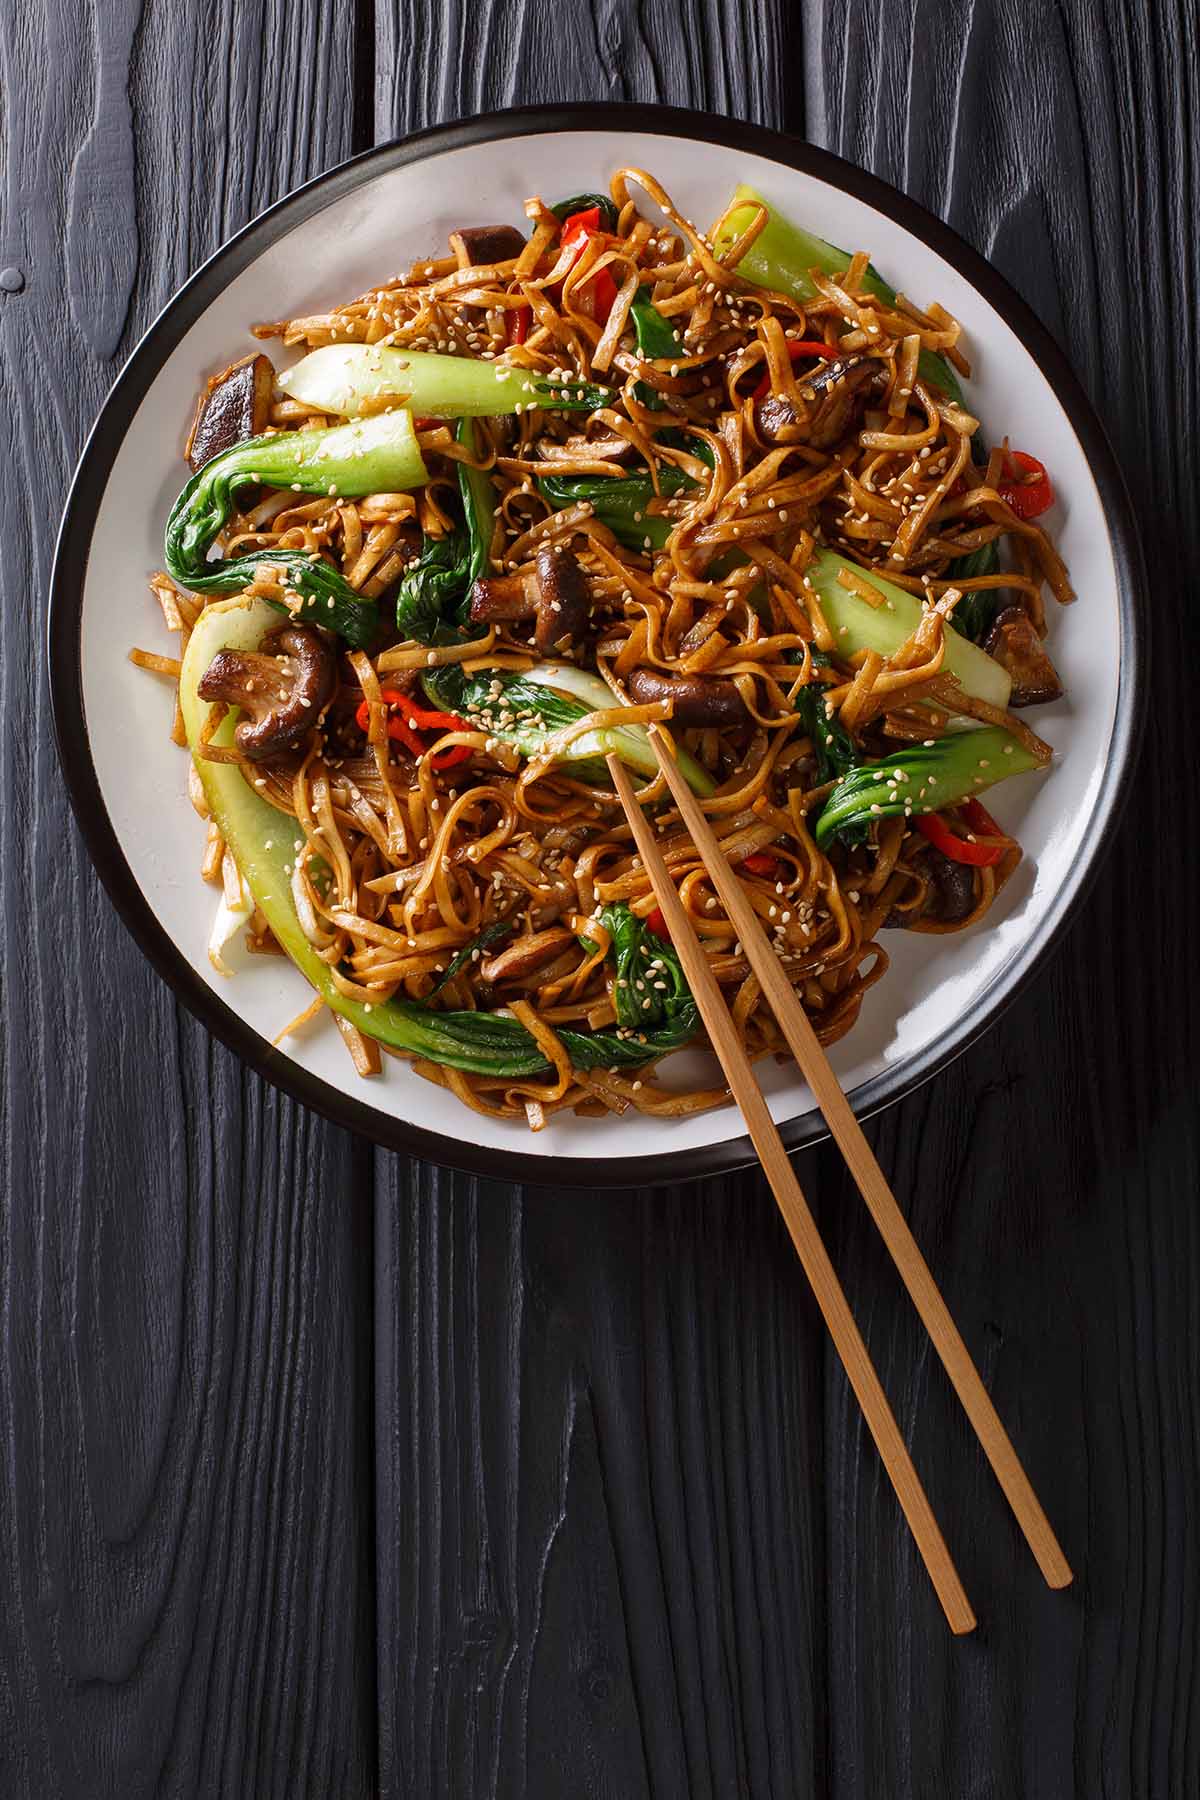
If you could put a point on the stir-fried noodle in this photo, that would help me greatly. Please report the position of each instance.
(777, 527)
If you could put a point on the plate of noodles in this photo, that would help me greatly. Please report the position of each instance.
(462, 466)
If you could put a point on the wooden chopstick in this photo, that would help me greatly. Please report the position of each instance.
(813, 1256)
(860, 1159)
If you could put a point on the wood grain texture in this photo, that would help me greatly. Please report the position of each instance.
(628, 1497)
(607, 1563)
(1060, 140)
(102, 229)
(629, 1535)
(647, 1454)
(185, 1372)
(477, 57)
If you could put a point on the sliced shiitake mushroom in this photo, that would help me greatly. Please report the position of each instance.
(556, 593)
(833, 400)
(564, 601)
(235, 405)
(608, 448)
(954, 888)
(949, 895)
(282, 688)
(695, 699)
(476, 246)
(1016, 646)
(503, 597)
(521, 958)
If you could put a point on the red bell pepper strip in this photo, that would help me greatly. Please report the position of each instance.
(980, 820)
(797, 349)
(421, 718)
(760, 862)
(1028, 489)
(599, 293)
(959, 850)
(580, 225)
(657, 923)
(427, 719)
(519, 321)
(397, 729)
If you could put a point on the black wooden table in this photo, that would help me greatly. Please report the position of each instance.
(328, 1474)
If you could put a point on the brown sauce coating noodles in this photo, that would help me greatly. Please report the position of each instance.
(424, 852)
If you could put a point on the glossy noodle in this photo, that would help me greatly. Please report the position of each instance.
(731, 481)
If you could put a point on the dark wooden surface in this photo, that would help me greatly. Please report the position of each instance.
(324, 1474)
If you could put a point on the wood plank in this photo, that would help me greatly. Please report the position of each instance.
(1053, 1171)
(594, 1525)
(640, 1376)
(477, 57)
(598, 1527)
(185, 1601)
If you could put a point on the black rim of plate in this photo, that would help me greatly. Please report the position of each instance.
(86, 496)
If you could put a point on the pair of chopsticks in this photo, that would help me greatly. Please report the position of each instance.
(860, 1159)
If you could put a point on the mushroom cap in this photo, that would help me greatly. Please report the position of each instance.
(282, 694)
(834, 398)
(1014, 642)
(564, 601)
(235, 406)
(475, 246)
(954, 886)
(696, 699)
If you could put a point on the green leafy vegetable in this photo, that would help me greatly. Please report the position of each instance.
(533, 707)
(656, 337)
(492, 934)
(431, 590)
(833, 747)
(479, 505)
(647, 1007)
(263, 847)
(782, 255)
(921, 779)
(857, 625)
(344, 378)
(656, 340)
(620, 502)
(378, 455)
(431, 602)
(566, 209)
(975, 611)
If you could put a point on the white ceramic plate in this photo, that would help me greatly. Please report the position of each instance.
(361, 223)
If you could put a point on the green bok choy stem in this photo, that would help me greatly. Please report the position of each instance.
(781, 257)
(264, 845)
(533, 707)
(343, 378)
(370, 456)
(921, 779)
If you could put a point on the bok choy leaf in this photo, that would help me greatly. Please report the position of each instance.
(377, 455)
(532, 708)
(479, 1042)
